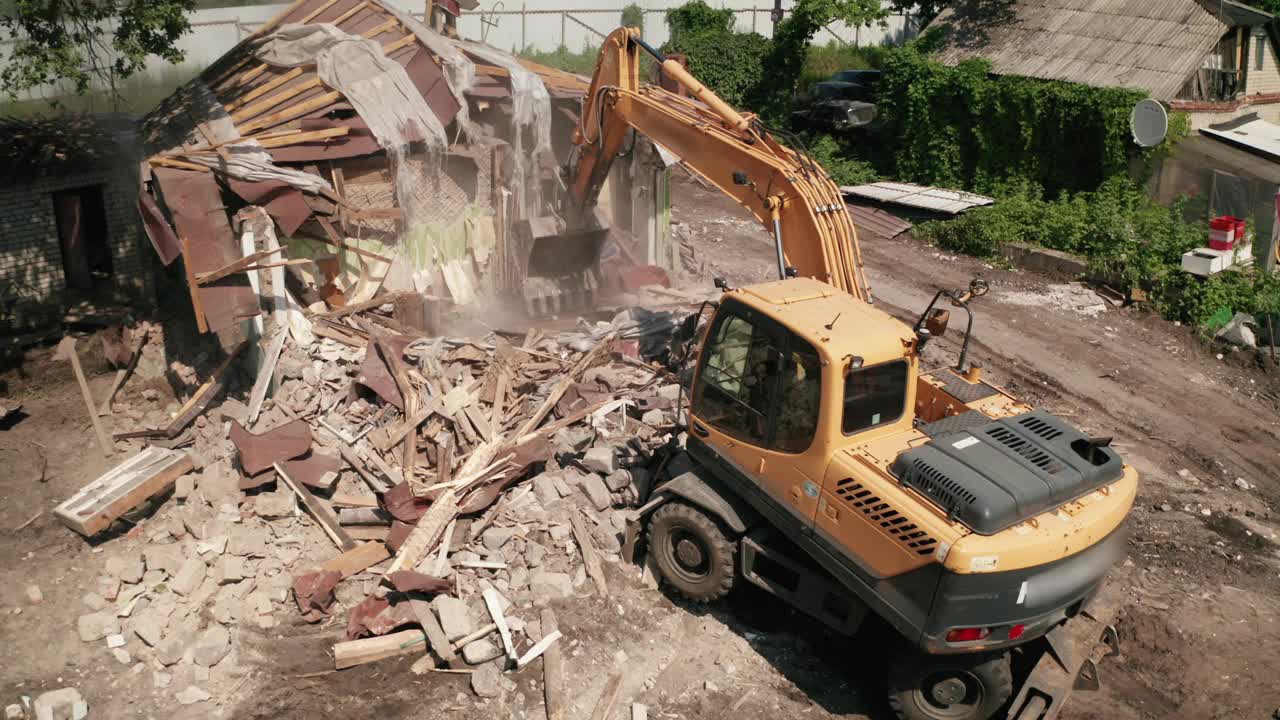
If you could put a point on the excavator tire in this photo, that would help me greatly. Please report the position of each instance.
(949, 687)
(692, 552)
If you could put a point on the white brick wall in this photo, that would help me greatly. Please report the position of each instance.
(30, 257)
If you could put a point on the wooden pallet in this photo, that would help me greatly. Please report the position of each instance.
(122, 488)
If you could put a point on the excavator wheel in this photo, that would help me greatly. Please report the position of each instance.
(949, 687)
(692, 552)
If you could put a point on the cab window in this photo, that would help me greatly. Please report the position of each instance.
(734, 389)
(759, 383)
(874, 396)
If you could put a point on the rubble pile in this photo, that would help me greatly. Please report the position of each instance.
(429, 496)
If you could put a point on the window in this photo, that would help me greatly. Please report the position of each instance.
(874, 396)
(1259, 51)
(760, 383)
(734, 391)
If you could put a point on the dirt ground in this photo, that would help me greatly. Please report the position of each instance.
(1202, 578)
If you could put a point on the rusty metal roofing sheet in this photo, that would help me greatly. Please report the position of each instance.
(1153, 45)
(875, 221)
(922, 197)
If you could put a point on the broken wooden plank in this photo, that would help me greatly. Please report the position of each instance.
(240, 265)
(437, 642)
(482, 632)
(348, 454)
(357, 559)
(590, 556)
(354, 501)
(400, 373)
(565, 382)
(410, 423)
(195, 404)
(363, 516)
(318, 510)
(493, 602)
(609, 697)
(366, 650)
(442, 557)
(554, 692)
(538, 649)
(67, 351)
(424, 535)
(123, 373)
(265, 375)
(96, 505)
(358, 532)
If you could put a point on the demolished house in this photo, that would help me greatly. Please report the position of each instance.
(389, 158)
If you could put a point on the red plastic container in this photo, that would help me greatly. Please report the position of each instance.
(1223, 232)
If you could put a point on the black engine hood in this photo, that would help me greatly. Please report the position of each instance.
(993, 475)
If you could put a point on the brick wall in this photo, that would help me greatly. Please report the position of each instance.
(30, 254)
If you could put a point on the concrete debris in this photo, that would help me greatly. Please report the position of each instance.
(34, 595)
(96, 626)
(486, 680)
(191, 695)
(1240, 330)
(480, 651)
(13, 712)
(212, 645)
(1243, 484)
(61, 704)
(512, 437)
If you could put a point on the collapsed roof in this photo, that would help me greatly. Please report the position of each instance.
(358, 86)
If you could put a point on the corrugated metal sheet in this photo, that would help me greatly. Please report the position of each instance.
(875, 221)
(1258, 136)
(922, 197)
(1153, 45)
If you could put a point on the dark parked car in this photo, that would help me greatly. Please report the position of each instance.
(843, 101)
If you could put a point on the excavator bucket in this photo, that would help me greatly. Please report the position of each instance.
(1070, 660)
(561, 264)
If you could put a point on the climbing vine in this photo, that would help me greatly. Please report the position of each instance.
(963, 127)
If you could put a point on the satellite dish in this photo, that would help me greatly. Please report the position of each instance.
(1149, 123)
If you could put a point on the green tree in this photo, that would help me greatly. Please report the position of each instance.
(1271, 6)
(88, 41)
(926, 10)
(696, 18)
(633, 16)
(790, 47)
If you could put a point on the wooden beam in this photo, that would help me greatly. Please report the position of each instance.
(164, 161)
(409, 424)
(348, 14)
(67, 351)
(95, 506)
(494, 603)
(123, 373)
(265, 374)
(590, 556)
(318, 511)
(436, 639)
(609, 697)
(291, 112)
(263, 89)
(538, 648)
(303, 137)
(234, 267)
(559, 390)
(554, 691)
(424, 535)
(366, 650)
(354, 501)
(357, 559)
(265, 104)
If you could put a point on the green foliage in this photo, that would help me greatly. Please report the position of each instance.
(836, 156)
(961, 127)
(82, 42)
(1271, 6)
(562, 58)
(926, 10)
(696, 18)
(633, 16)
(826, 60)
(728, 62)
(789, 49)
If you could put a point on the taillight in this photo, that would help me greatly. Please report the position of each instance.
(960, 635)
(1016, 631)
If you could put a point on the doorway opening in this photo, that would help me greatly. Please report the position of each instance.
(83, 237)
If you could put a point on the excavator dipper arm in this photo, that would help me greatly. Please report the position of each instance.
(786, 191)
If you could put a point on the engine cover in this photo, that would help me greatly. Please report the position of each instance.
(997, 474)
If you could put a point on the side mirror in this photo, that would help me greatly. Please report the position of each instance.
(722, 283)
(936, 321)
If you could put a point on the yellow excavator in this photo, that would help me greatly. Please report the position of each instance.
(824, 465)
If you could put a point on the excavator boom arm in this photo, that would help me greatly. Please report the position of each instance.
(786, 191)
